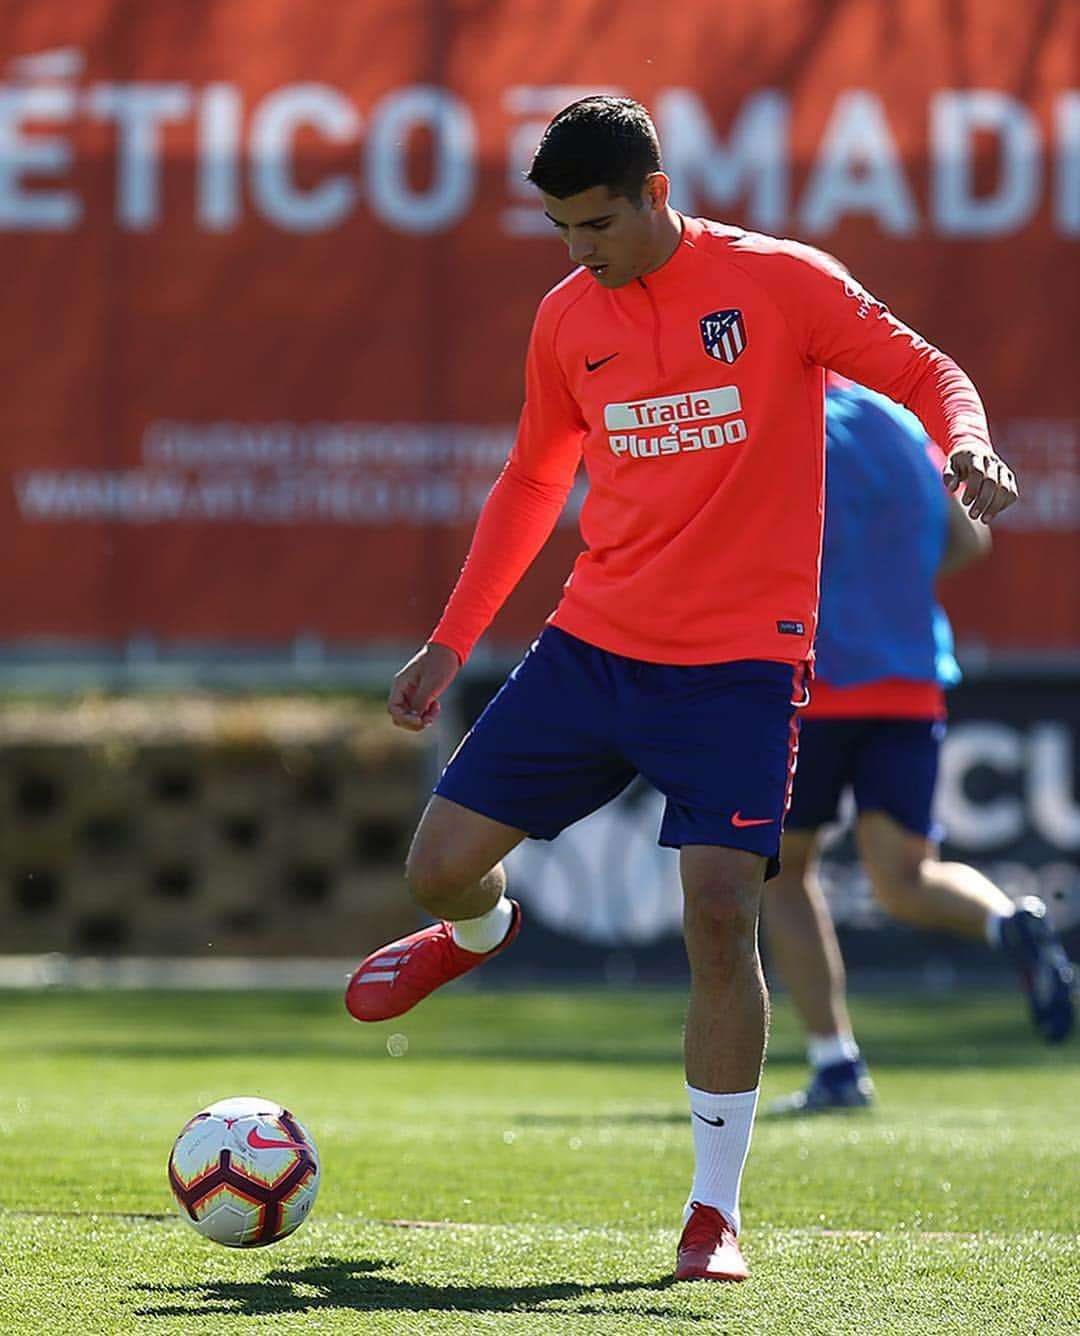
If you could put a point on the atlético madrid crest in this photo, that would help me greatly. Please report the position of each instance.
(724, 334)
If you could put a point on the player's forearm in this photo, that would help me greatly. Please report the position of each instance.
(514, 525)
(852, 332)
(945, 401)
(968, 541)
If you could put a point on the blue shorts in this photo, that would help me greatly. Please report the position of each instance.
(890, 764)
(573, 725)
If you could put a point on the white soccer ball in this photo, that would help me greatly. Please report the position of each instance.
(244, 1172)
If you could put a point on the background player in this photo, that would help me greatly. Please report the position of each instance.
(875, 724)
(682, 360)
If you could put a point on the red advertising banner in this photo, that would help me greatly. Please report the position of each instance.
(270, 269)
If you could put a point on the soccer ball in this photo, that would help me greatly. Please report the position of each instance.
(244, 1172)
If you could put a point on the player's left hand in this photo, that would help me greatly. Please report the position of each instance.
(988, 482)
(414, 696)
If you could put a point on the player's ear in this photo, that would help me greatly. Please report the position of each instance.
(657, 191)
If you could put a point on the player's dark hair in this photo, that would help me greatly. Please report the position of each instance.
(597, 141)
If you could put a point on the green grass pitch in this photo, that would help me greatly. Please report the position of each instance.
(543, 1140)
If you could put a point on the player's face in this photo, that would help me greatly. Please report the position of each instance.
(615, 238)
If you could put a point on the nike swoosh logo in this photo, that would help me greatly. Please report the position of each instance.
(595, 366)
(713, 1122)
(739, 821)
(257, 1141)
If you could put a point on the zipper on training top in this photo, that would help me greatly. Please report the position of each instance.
(657, 351)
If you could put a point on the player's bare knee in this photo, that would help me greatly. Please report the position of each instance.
(720, 921)
(433, 881)
(898, 890)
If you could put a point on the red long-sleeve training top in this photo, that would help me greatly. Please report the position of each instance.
(696, 396)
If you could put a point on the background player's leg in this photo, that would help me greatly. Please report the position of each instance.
(801, 937)
(914, 886)
(803, 946)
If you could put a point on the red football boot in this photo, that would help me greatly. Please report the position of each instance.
(708, 1249)
(393, 979)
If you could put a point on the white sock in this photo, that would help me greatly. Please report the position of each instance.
(722, 1127)
(993, 928)
(484, 934)
(825, 1050)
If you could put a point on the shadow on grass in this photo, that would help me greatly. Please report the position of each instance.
(976, 1045)
(600, 1030)
(605, 1119)
(453, 1052)
(332, 1284)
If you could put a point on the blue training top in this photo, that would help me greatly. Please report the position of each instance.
(886, 526)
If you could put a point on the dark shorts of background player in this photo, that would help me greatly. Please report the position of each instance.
(890, 764)
(573, 725)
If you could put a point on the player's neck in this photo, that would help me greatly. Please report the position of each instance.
(669, 235)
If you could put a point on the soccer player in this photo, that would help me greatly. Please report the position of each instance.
(682, 361)
(875, 725)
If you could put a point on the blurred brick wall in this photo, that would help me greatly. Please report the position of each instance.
(204, 827)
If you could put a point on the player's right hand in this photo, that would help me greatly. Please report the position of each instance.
(988, 482)
(414, 696)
